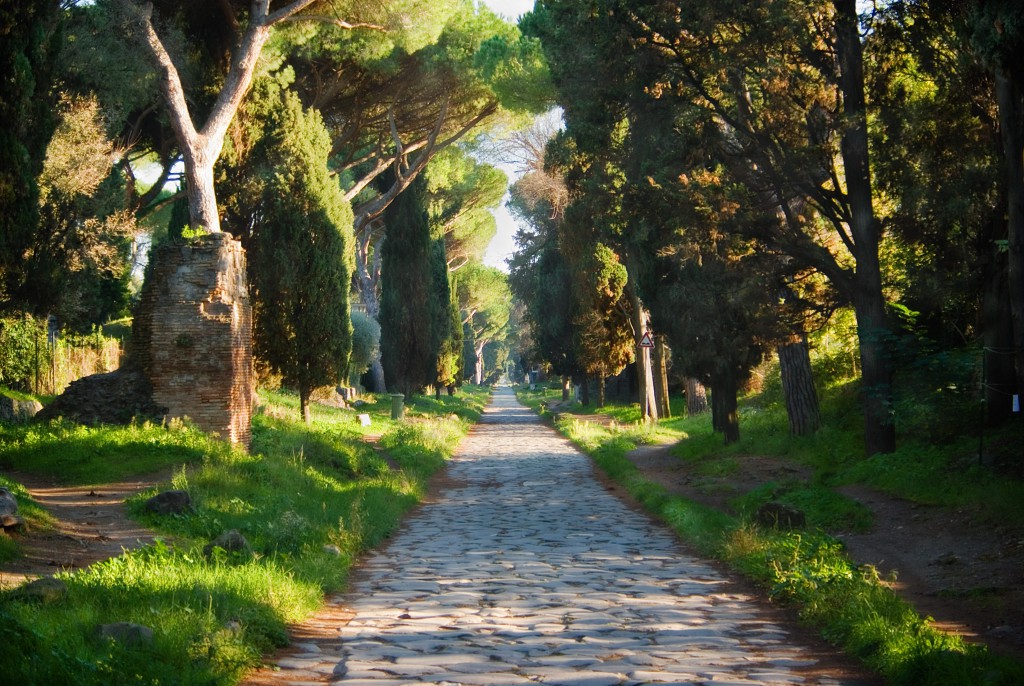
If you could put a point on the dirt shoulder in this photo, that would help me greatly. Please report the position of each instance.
(966, 574)
(92, 524)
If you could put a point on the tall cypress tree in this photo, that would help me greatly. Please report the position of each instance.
(27, 52)
(300, 249)
(408, 352)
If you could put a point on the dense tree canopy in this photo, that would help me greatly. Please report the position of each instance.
(727, 175)
(722, 149)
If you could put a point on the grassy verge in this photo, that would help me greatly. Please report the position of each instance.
(307, 499)
(848, 604)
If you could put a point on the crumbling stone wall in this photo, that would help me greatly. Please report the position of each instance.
(192, 334)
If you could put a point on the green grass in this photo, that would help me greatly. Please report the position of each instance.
(808, 568)
(16, 395)
(824, 508)
(36, 518)
(309, 499)
(81, 455)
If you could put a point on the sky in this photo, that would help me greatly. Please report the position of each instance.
(503, 245)
(510, 9)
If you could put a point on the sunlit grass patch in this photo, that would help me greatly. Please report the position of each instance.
(79, 454)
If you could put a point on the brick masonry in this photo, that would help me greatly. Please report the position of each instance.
(192, 334)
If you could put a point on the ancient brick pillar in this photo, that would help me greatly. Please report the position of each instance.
(192, 334)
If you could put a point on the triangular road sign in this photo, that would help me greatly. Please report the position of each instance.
(646, 341)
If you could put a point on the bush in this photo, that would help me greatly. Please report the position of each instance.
(23, 350)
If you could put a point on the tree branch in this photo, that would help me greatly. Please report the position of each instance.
(341, 23)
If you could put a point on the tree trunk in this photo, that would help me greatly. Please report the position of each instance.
(478, 364)
(661, 378)
(566, 388)
(869, 303)
(998, 375)
(644, 371)
(600, 390)
(585, 390)
(202, 146)
(717, 415)
(1010, 97)
(724, 412)
(304, 411)
(202, 199)
(696, 398)
(876, 375)
(798, 386)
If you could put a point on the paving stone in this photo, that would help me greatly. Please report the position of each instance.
(569, 677)
(531, 572)
(657, 677)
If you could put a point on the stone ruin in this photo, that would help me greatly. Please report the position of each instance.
(191, 348)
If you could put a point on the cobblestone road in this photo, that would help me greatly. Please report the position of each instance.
(526, 570)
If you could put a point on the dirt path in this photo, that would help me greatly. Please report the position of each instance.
(91, 525)
(965, 573)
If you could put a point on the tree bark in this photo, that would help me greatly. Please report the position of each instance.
(696, 398)
(600, 390)
(869, 303)
(585, 390)
(1010, 97)
(798, 386)
(725, 413)
(566, 388)
(661, 378)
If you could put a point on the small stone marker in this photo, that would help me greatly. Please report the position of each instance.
(364, 419)
(397, 406)
(45, 590)
(169, 503)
